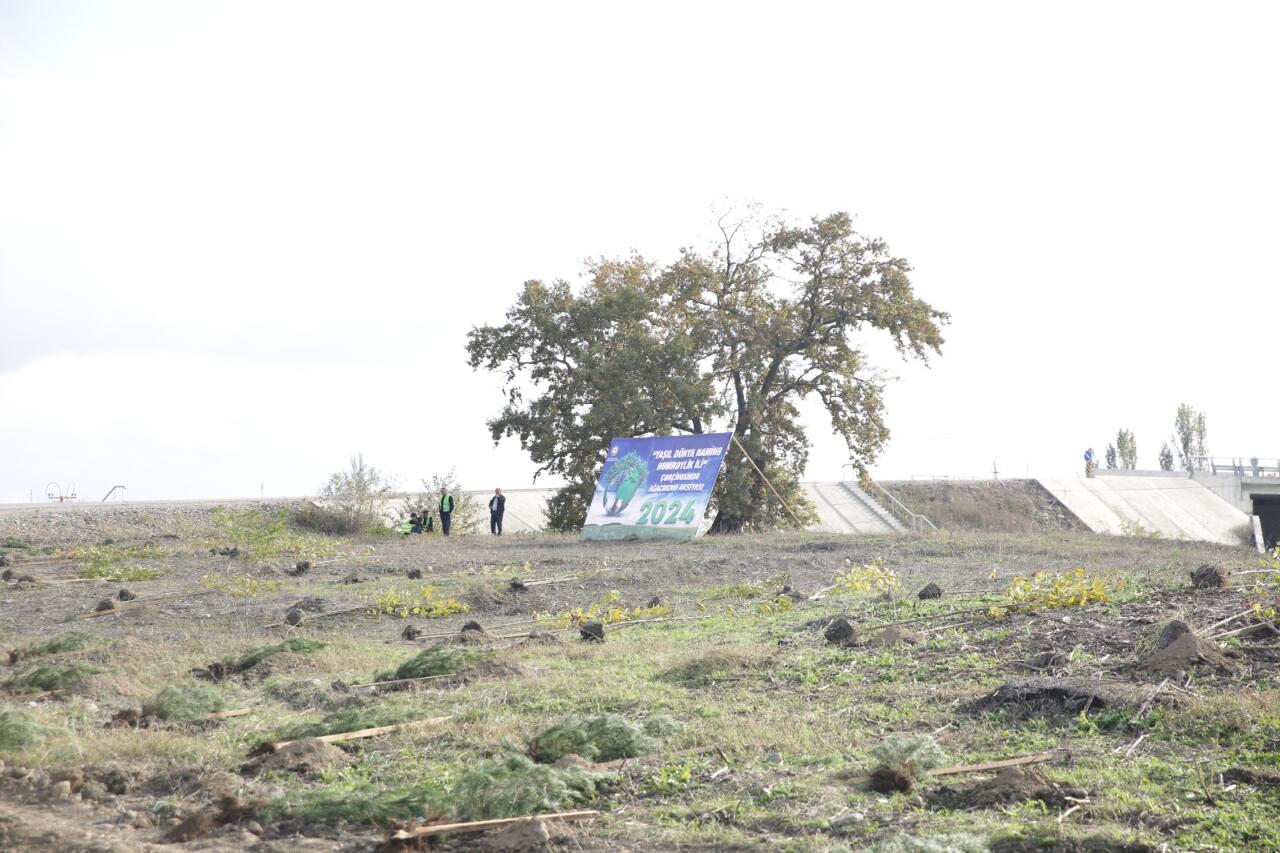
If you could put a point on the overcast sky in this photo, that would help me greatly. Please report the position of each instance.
(239, 241)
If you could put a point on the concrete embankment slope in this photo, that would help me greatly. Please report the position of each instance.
(1170, 506)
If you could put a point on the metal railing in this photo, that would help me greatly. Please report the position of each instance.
(1239, 466)
(916, 521)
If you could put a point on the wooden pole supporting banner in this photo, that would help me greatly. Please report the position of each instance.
(766, 480)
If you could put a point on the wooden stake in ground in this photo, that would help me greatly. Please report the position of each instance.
(120, 606)
(272, 746)
(485, 825)
(1035, 758)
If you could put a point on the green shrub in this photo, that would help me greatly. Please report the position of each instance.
(603, 737)
(350, 720)
(17, 729)
(73, 641)
(50, 676)
(253, 657)
(437, 660)
(188, 701)
(512, 785)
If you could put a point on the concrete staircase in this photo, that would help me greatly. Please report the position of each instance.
(845, 508)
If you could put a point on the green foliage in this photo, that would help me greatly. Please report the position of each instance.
(426, 602)
(1166, 457)
(189, 700)
(114, 562)
(437, 660)
(365, 805)
(511, 785)
(1113, 461)
(72, 641)
(49, 676)
(911, 755)
(265, 535)
(671, 779)
(1189, 436)
(863, 580)
(349, 720)
(607, 610)
(1127, 447)
(1076, 588)
(602, 737)
(735, 336)
(353, 497)
(18, 729)
(239, 585)
(253, 657)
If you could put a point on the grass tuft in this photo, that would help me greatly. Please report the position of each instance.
(72, 641)
(437, 660)
(253, 657)
(512, 785)
(604, 737)
(189, 701)
(17, 729)
(49, 676)
(350, 720)
(943, 844)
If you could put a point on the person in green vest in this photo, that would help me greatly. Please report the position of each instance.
(446, 510)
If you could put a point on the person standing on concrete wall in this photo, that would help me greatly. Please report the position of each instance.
(497, 506)
(446, 510)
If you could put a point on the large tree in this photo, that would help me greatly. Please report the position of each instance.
(730, 338)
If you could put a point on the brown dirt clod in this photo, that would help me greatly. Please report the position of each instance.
(1210, 576)
(840, 632)
(889, 780)
(410, 632)
(126, 595)
(355, 577)
(306, 757)
(294, 616)
(1177, 649)
(1010, 785)
(105, 605)
(592, 632)
(1046, 695)
(526, 835)
(414, 574)
(931, 590)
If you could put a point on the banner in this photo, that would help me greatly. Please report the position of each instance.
(655, 487)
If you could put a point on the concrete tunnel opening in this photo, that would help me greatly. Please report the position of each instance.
(1267, 508)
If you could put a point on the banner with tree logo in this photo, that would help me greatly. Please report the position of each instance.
(657, 486)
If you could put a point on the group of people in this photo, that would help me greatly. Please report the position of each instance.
(423, 520)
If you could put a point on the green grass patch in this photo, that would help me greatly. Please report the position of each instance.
(49, 676)
(350, 720)
(602, 737)
(188, 701)
(436, 660)
(513, 785)
(72, 641)
(253, 657)
(17, 729)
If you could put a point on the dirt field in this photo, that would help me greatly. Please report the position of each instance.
(743, 717)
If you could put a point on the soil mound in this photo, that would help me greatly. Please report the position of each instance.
(592, 632)
(1176, 649)
(306, 757)
(930, 591)
(1049, 661)
(841, 632)
(542, 638)
(892, 636)
(1210, 576)
(313, 604)
(1010, 785)
(1046, 696)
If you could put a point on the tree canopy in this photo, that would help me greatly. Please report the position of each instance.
(733, 338)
